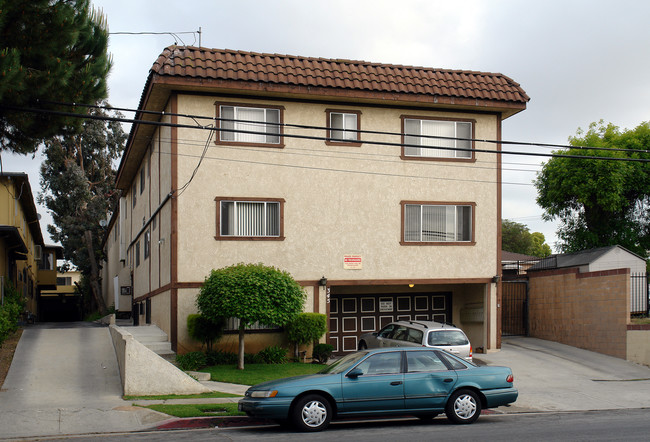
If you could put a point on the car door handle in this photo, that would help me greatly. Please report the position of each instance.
(449, 380)
(396, 383)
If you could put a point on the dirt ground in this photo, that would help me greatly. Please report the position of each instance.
(7, 354)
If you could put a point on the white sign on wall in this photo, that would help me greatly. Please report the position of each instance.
(352, 262)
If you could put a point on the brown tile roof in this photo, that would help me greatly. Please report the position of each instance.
(293, 71)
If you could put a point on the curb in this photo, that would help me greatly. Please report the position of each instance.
(186, 423)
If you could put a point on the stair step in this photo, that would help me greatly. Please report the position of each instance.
(154, 339)
(158, 346)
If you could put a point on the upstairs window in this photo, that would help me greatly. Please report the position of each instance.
(249, 125)
(456, 135)
(250, 218)
(343, 127)
(147, 244)
(437, 223)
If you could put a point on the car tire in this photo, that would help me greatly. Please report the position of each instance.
(311, 413)
(362, 345)
(463, 407)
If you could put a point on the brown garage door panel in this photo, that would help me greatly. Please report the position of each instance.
(353, 315)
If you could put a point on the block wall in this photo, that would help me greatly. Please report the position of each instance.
(585, 310)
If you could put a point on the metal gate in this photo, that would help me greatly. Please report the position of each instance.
(514, 308)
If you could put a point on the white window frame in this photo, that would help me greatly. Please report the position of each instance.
(348, 132)
(269, 126)
(235, 233)
(417, 130)
(452, 234)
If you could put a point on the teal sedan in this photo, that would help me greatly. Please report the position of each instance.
(422, 382)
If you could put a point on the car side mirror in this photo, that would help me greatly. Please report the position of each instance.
(355, 373)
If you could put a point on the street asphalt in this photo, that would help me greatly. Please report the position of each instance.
(64, 380)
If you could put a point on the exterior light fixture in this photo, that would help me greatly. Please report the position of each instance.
(411, 285)
(322, 282)
(496, 278)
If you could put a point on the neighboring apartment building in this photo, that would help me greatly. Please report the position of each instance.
(63, 303)
(322, 168)
(25, 261)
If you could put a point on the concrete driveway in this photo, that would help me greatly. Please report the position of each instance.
(64, 379)
(557, 377)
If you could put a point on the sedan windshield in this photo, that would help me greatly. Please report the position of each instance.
(344, 363)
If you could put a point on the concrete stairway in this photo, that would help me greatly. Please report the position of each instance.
(154, 339)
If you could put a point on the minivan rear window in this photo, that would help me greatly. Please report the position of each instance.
(447, 337)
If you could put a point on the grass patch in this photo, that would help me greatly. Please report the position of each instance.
(214, 394)
(257, 373)
(198, 410)
(640, 321)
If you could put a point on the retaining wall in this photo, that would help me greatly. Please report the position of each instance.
(144, 373)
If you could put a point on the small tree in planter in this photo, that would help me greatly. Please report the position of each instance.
(305, 329)
(252, 293)
(204, 329)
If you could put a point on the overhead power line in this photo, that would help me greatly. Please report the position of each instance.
(321, 138)
(360, 131)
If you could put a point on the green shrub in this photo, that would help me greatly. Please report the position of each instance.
(306, 328)
(219, 357)
(10, 312)
(191, 361)
(322, 353)
(273, 355)
(205, 330)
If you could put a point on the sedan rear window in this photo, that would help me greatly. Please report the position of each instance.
(447, 337)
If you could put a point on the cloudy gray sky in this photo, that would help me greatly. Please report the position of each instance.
(579, 61)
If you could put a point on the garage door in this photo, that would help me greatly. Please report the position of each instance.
(353, 315)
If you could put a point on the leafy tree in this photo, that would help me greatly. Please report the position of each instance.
(598, 202)
(50, 51)
(77, 181)
(253, 293)
(516, 238)
(539, 247)
(306, 328)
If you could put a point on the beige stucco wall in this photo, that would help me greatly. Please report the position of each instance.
(113, 267)
(328, 212)
(338, 200)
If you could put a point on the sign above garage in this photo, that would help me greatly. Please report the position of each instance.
(352, 262)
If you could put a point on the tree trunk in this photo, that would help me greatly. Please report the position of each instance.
(94, 274)
(240, 362)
